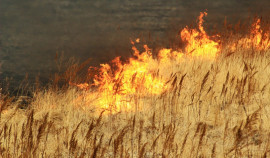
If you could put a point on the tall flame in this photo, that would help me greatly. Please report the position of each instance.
(257, 39)
(118, 82)
(199, 43)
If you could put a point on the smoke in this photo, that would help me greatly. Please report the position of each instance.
(1, 63)
(33, 31)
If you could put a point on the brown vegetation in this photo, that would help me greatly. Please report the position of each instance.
(214, 108)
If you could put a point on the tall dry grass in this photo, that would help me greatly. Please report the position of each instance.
(214, 108)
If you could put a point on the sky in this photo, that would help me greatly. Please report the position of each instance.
(33, 31)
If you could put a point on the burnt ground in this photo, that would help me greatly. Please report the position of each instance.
(32, 32)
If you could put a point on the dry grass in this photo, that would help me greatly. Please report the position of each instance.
(214, 109)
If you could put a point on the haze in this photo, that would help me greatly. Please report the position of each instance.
(33, 31)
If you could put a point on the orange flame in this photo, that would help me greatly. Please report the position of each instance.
(261, 41)
(256, 39)
(140, 76)
(119, 80)
(199, 43)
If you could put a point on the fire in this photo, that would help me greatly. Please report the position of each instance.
(119, 82)
(257, 39)
(198, 42)
(129, 78)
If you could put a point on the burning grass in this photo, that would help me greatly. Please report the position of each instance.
(210, 99)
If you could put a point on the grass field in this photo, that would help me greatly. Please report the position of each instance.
(188, 105)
